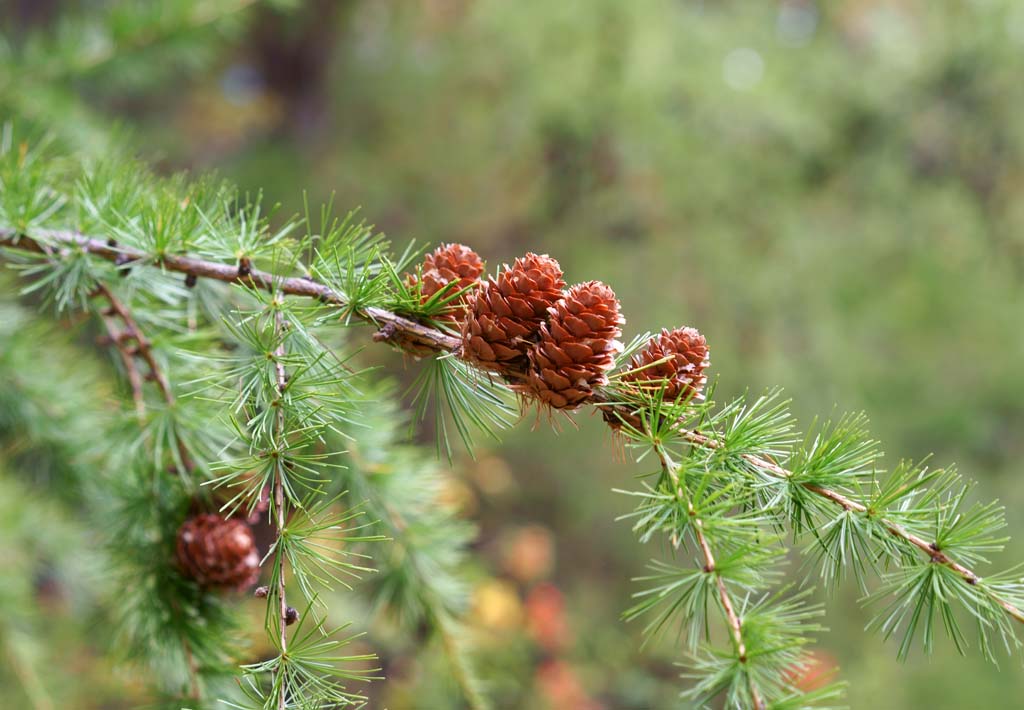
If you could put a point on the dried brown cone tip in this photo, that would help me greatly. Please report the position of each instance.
(676, 360)
(218, 552)
(449, 263)
(506, 313)
(577, 347)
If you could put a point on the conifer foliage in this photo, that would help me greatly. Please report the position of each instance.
(234, 354)
(249, 448)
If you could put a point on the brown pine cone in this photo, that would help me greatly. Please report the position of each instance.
(505, 314)
(447, 264)
(577, 347)
(682, 374)
(218, 552)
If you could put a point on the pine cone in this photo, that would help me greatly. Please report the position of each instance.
(506, 313)
(577, 347)
(447, 264)
(218, 552)
(682, 373)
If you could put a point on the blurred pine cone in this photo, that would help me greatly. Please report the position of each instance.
(218, 552)
(577, 347)
(506, 313)
(449, 263)
(685, 355)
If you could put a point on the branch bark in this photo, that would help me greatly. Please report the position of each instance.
(143, 348)
(728, 607)
(120, 340)
(895, 529)
(282, 383)
(412, 336)
(403, 332)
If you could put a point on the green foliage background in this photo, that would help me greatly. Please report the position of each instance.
(829, 191)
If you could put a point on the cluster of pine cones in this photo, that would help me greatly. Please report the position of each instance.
(554, 344)
(551, 343)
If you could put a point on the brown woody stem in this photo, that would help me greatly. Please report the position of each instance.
(895, 529)
(405, 332)
(728, 607)
(282, 383)
(143, 348)
(410, 335)
(120, 340)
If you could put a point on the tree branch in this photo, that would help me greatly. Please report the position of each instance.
(282, 383)
(732, 618)
(143, 348)
(119, 340)
(401, 331)
(895, 529)
(279, 501)
(412, 336)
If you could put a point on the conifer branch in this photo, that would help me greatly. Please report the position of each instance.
(118, 339)
(416, 337)
(734, 622)
(143, 348)
(403, 332)
(930, 549)
(282, 382)
(121, 340)
(202, 14)
(396, 515)
(468, 684)
(366, 286)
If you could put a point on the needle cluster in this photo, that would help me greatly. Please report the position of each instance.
(264, 415)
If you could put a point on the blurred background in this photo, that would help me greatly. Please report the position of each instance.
(829, 191)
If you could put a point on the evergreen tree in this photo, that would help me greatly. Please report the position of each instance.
(238, 409)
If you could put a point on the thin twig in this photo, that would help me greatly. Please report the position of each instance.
(410, 335)
(895, 529)
(120, 339)
(143, 348)
(131, 370)
(282, 383)
(406, 333)
(733, 619)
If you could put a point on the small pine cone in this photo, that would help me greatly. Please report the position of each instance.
(577, 347)
(447, 264)
(682, 374)
(506, 313)
(218, 552)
